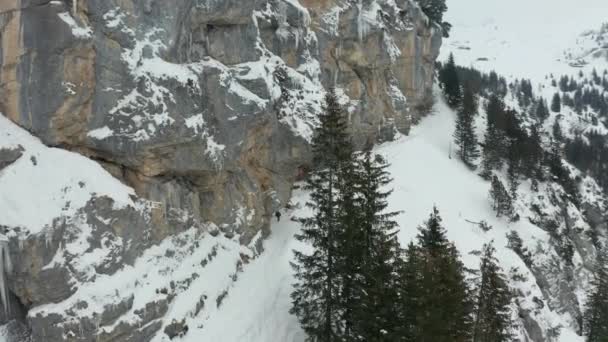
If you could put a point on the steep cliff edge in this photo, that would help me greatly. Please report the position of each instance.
(205, 109)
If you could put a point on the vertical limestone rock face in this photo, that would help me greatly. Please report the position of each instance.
(209, 105)
(10, 50)
(382, 55)
(206, 109)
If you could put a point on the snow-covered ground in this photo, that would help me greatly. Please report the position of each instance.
(523, 38)
(256, 308)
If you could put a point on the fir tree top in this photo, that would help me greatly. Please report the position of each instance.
(332, 142)
(432, 236)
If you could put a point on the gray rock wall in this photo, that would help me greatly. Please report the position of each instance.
(208, 105)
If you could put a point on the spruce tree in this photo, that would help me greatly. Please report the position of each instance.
(530, 153)
(464, 134)
(535, 154)
(492, 321)
(377, 317)
(434, 9)
(444, 307)
(513, 170)
(541, 110)
(501, 200)
(558, 135)
(556, 103)
(410, 290)
(494, 143)
(316, 295)
(596, 313)
(348, 252)
(450, 82)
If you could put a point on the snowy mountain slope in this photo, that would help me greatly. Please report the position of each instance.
(522, 38)
(539, 40)
(255, 302)
(256, 308)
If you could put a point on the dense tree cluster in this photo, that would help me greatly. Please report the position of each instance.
(357, 283)
(596, 313)
(514, 138)
(541, 110)
(449, 81)
(434, 9)
(481, 83)
(506, 139)
(589, 153)
(561, 174)
(524, 92)
(585, 93)
(452, 77)
(464, 134)
(556, 103)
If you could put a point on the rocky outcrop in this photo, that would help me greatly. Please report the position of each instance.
(100, 241)
(205, 108)
(9, 156)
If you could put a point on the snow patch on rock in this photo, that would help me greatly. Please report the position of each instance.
(49, 182)
(78, 30)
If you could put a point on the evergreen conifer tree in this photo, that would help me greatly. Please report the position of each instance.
(348, 251)
(316, 295)
(492, 321)
(494, 143)
(450, 82)
(535, 154)
(596, 313)
(558, 135)
(513, 170)
(531, 154)
(410, 290)
(443, 306)
(377, 317)
(501, 201)
(541, 110)
(556, 103)
(464, 134)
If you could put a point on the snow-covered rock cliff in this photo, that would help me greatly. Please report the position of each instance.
(188, 122)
